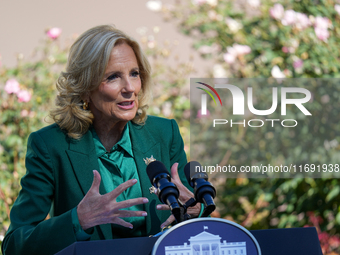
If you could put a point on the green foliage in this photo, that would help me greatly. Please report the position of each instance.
(20, 116)
(217, 28)
(273, 45)
(171, 84)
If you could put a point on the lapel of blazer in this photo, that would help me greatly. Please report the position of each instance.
(144, 146)
(83, 158)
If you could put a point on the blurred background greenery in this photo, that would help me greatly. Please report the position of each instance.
(242, 39)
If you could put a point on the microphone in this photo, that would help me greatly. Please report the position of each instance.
(167, 192)
(204, 191)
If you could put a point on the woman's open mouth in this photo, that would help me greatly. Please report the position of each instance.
(126, 105)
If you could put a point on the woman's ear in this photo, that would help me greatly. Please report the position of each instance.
(86, 97)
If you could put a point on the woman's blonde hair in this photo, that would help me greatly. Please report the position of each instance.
(86, 65)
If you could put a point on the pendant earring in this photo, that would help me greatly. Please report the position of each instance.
(85, 105)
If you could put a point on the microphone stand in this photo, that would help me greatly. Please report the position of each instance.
(183, 216)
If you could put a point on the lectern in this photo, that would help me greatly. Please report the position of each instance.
(220, 240)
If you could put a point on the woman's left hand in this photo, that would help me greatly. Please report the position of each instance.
(184, 196)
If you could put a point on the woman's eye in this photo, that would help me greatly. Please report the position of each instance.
(135, 74)
(112, 77)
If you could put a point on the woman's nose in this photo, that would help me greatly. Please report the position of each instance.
(128, 86)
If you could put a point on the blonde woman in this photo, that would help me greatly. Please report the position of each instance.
(87, 170)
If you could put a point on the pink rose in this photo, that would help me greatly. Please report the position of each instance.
(198, 2)
(154, 6)
(277, 73)
(231, 50)
(235, 51)
(285, 49)
(337, 8)
(289, 18)
(24, 113)
(302, 21)
(323, 236)
(322, 22)
(334, 241)
(12, 86)
(277, 11)
(54, 33)
(287, 73)
(298, 63)
(242, 49)
(254, 3)
(24, 96)
(229, 58)
(321, 33)
(233, 25)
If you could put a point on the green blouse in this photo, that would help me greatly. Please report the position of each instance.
(115, 167)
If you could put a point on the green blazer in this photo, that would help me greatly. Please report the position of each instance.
(59, 174)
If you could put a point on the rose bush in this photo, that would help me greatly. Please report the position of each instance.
(280, 39)
(26, 95)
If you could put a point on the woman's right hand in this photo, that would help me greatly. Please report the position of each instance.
(96, 209)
